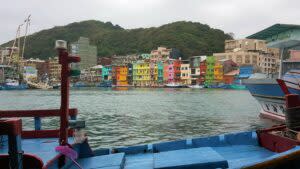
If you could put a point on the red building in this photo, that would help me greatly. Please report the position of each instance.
(229, 77)
(202, 72)
(177, 72)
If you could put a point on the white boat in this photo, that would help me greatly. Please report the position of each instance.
(173, 85)
(11, 82)
(196, 86)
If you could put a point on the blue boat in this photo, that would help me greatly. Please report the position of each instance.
(13, 85)
(105, 84)
(79, 85)
(68, 148)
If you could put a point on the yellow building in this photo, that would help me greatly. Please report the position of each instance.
(218, 72)
(153, 73)
(141, 74)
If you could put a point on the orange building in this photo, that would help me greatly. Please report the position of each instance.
(121, 73)
(166, 72)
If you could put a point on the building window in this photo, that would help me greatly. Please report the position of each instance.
(254, 59)
(239, 59)
(247, 59)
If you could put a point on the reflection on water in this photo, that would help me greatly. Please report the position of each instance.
(122, 116)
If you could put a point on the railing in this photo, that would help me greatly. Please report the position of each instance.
(37, 115)
(12, 128)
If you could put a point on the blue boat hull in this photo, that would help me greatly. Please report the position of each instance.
(9, 87)
(270, 96)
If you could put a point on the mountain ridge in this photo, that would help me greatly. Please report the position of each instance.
(191, 38)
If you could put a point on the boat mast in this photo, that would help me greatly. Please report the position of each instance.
(27, 21)
(18, 33)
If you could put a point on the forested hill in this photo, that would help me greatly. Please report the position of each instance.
(191, 38)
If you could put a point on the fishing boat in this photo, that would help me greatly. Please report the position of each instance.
(11, 84)
(266, 90)
(196, 86)
(68, 148)
(173, 85)
(40, 85)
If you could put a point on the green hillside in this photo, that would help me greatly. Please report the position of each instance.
(190, 38)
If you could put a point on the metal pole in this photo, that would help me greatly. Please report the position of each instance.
(64, 104)
(65, 81)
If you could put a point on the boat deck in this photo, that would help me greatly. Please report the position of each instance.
(225, 151)
(44, 148)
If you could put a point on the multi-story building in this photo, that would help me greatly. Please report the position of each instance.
(218, 72)
(153, 73)
(251, 52)
(185, 72)
(96, 71)
(107, 73)
(171, 71)
(160, 73)
(141, 73)
(120, 77)
(166, 71)
(130, 73)
(54, 69)
(245, 45)
(177, 70)
(209, 76)
(161, 53)
(203, 68)
(87, 52)
(195, 68)
(9, 56)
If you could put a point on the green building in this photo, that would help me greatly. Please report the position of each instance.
(209, 76)
(160, 67)
(87, 52)
(106, 73)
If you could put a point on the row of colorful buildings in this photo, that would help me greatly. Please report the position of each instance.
(203, 70)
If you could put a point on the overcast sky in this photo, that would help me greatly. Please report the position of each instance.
(241, 17)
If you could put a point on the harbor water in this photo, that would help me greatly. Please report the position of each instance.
(118, 117)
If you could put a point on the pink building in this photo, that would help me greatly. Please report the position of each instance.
(170, 72)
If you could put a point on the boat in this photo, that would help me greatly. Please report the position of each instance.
(79, 85)
(237, 87)
(56, 86)
(104, 84)
(270, 96)
(173, 85)
(196, 86)
(11, 84)
(68, 147)
(40, 85)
